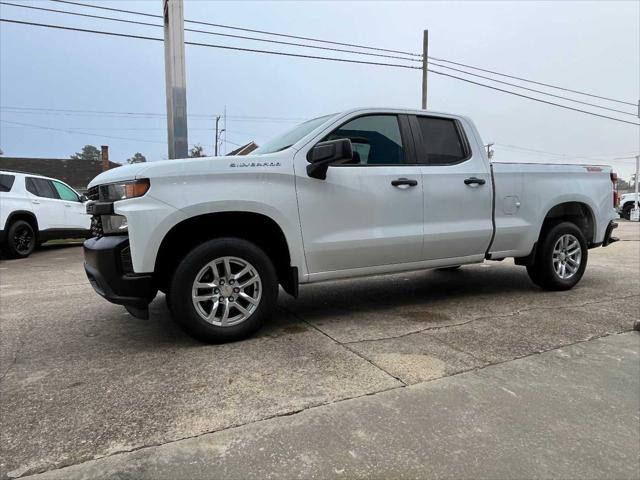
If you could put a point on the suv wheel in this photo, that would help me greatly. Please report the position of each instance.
(21, 239)
(223, 290)
(626, 211)
(561, 258)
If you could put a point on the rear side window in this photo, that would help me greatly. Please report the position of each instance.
(65, 192)
(41, 187)
(442, 141)
(6, 182)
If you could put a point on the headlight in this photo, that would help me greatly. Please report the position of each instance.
(114, 224)
(112, 192)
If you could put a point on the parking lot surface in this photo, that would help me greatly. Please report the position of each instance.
(81, 379)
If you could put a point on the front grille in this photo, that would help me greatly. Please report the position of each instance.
(93, 193)
(125, 258)
(96, 226)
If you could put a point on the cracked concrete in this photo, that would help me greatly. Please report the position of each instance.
(82, 379)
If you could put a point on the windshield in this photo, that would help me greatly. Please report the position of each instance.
(284, 141)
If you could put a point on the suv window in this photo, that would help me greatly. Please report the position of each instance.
(41, 187)
(376, 139)
(65, 192)
(6, 182)
(442, 141)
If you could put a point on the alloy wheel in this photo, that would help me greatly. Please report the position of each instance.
(226, 291)
(567, 256)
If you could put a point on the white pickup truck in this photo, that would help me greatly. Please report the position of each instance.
(362, 192)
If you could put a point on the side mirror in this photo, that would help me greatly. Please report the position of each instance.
(83, 198)
(326, 153)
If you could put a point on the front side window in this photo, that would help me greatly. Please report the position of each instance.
(6, 182)
(376, 139)
(65, 192)
(41, 187)
(442, 141)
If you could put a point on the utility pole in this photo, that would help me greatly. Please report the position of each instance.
(635, 215)
(425, 57)
(218, 133)
(176, 82)
(489, 151)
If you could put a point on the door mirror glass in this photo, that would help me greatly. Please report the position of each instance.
(83, 198)
(326, 153)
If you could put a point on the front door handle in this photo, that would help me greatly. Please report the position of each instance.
(404, 181)
(474, 181)
(35, 202)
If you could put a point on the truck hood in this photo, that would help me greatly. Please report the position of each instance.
(188, 166)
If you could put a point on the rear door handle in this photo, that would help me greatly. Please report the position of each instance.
(474, 181)
(35, 201)
(404, 181)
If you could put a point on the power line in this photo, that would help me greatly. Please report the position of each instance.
(77, 132)
(317, 58)
(357, 46)
(134, 22)
(149, 114)
(264, 32)
(533, 81)
(532, 89)
(533, 151)
(533, 98)
(211, 45)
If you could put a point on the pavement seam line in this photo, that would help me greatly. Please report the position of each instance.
(346, 347)
(484, 317)
(312, 407)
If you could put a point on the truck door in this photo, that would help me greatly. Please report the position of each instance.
(369, 212)
(457, 190)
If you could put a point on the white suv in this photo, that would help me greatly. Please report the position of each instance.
(35, 209)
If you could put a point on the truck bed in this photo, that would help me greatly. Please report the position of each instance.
(526, 192)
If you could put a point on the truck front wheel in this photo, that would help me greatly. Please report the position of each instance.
(223, 290)
(561, 258)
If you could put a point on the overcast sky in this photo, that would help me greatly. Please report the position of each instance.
(587, 46)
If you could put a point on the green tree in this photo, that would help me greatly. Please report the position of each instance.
(197, 151)
(137, 158)
(89, 152)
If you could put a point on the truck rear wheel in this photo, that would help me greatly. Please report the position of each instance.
(223, 290)
(561, 258)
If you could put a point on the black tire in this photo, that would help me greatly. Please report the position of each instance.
(180, 299)
(542, 272)
(21, 239)
(532, 271)
(448, 269)
(626, 211)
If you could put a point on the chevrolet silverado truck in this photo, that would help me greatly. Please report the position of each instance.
(358, 193)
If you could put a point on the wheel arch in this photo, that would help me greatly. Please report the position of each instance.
(257, 228)
(577, 212)
(25, 215)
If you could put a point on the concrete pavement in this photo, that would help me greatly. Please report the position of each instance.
(568, 413)
(81, 379)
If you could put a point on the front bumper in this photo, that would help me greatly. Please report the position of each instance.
(608, 238)
(107, 263)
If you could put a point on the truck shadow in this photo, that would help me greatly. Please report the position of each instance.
(409, 292)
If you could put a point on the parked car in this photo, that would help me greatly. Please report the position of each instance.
(627, 202)
(363, 192)
(35, 209)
